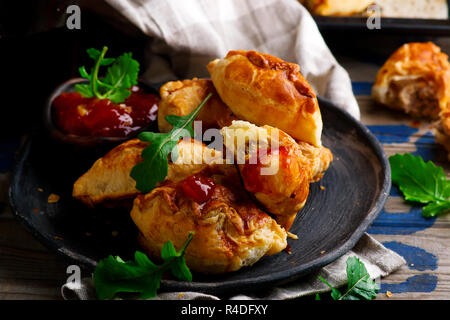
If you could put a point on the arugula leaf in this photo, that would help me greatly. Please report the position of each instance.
(335, 293)
(113, 275)
(121, 75)
(179, 268)
(154, 167)
(422, 182)
(359, 284)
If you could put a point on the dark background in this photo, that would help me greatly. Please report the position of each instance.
(38, 52)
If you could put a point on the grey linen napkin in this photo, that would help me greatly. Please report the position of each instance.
(186, 35)
(378, 260)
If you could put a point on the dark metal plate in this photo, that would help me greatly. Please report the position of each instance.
(356, 187)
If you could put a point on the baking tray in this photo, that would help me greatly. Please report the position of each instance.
(424, 27)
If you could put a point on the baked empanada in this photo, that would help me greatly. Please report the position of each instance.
(263, 89)
(230, 231)
(418, 9)
(108, 180)
(416, 80)
(279, 177)
(181, 98)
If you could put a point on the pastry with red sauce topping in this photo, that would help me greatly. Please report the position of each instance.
(230, 230)
(279, 170)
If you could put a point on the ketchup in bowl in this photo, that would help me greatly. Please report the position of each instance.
(75, 114)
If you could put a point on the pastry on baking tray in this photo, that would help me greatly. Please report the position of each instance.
(418, 9)
(230, 230)
(108, 181)
(264, 89)
(336, 8)
(181, 98)
(279, 177)
(416, 80)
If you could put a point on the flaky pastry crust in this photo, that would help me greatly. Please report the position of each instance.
(181, 98)
(108, 181)
(416, 80)
(289, 167)
(264, 89)
(336, 8)
(230, 231)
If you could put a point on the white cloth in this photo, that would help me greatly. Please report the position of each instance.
(187, 34)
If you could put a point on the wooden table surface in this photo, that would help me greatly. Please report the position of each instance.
(29, 271)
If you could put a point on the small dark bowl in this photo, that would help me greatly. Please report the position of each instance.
(86, 141)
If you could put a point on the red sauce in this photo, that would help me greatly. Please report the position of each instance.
(81, 116)
(199, 188)
(251, 172)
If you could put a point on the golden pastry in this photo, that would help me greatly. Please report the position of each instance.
(417, 9)
(108, 181)
(263, 89)
(416, 80)
(279, 178)
(336, 8)
(442, 132)
(230, 231)
(181, 98)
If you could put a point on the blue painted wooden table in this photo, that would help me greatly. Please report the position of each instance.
(28, 270)
(423, 242)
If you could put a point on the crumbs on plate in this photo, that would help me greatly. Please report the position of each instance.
(292, 235)
(53, 198)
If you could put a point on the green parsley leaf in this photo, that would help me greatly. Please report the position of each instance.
(359, 284)
(435, 208)
(121, 75)
(154, 167)
(113, 275)
(85, 90)
(422, 182)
